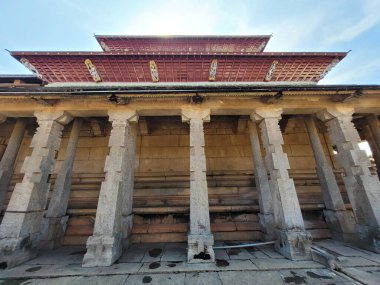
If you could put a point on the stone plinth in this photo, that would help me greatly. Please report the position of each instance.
(293, 241)
(362, 187)
(105, 246)
(200, 239)
(21, 226)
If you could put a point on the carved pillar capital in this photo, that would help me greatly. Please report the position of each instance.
(336, 112)
(188, 114)
(123, 115)
(60, 117)
(265, 113)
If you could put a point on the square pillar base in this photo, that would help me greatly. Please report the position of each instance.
(53, 230)
(14, 251)
(267, 226)
(199, 248)
(102, 251)
(368, 238)
(294, 245)
(341, 225)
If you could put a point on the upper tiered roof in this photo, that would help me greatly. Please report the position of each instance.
(183, 44)
(180, 59)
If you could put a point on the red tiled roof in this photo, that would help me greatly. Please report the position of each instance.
(125, 67)
(183, 44)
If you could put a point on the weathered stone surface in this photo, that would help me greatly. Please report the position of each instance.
(292, 239)
(362, 187)
(340, 221)
(262, 185)
(202, 278)
(200, 239)
(157, 279)
(55, 222)
(21, 226)
(248, 278)
(9, 158)
(112, 223)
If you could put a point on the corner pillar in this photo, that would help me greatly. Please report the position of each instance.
(362, 187)
(340, 221)
(55, 222)
(374, 126)
(200, 238)
(105, 246)
(9, 158)
(21, 226)
(264, 194)
(293, 241)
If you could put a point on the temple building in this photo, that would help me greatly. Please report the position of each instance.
(193, 139)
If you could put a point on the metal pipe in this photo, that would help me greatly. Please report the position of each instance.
(244, 245)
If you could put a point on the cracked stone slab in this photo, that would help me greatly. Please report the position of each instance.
(135, 253)
(356, 262)
(273, 264)
(238, 253)
(197, 267)
(174, 252)
(203, 278)
(156, 279)
(251, 277)
(365, 276)
(153, 252)
(40, 271)
(63, 255)
(312, 276)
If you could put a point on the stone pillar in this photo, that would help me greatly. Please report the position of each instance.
(21, 226)
(9, 158)
(105, 246)
(362, 187)
(200, 240)
(367, 135)
(55, 221)
(374, 126)
(262, 185)
(293, 241)
(340, 221)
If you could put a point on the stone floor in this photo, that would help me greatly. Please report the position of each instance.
(166, 264)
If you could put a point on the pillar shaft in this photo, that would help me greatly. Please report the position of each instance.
(362, 187)
(374, 124)
(105, 246)
(340, 221)
(9, 158)
(368, 136)
(200, 239)
(262, 184)
(21, 226)
(292, 240)
(55, 222)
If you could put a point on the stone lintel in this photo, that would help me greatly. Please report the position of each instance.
(123, 115)
(262, 113)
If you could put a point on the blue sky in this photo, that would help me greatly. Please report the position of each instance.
(323, 25)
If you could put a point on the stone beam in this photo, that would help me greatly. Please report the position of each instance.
(114, 213)
(55, 221)
(362, 187)
(9, 158)
(21, 226)
(262, 185)
(339, 220)
(200, 239)
(293, 241)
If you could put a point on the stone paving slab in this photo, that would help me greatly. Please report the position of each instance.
(174, 252)
(250, 277)
(203, 278)
(364, 275)
(135, 253)
(31, 271)
(153, 252)
(356, 262)
(221, 254)
(156, 279)
(63, 255)
(230, 265)
(238, 253)
(273, 264)
(313, 276)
